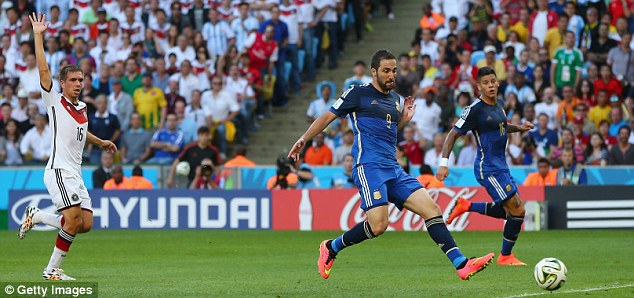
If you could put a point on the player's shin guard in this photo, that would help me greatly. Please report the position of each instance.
(438, 232)
(62, 245)
(357, 234)
(511, 232)
(490, 209)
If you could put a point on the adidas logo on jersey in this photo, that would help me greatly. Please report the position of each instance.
(374, 102)
(489, 118)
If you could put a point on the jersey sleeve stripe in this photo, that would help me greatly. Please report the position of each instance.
(54, 137)
(481, 153)
(356, 126)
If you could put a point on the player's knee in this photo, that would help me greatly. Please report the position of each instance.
(378, 226)
(87, 226)
(73, 224)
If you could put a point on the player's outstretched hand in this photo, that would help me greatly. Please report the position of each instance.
(527, 126)
(408, 109)
(297, 149)
(442, 173)
(108, 146)
(39, 23)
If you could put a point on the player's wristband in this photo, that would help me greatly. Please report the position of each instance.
(444, 162)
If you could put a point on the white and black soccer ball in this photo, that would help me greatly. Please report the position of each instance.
(182, 168)
(550, 274)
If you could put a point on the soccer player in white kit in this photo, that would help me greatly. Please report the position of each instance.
(69, 126)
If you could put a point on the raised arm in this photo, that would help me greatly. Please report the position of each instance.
(39, 27)
(315, 128)
(443, 170)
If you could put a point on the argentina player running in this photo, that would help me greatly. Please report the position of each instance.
(377, 113)
(486, 118)
(62, 177)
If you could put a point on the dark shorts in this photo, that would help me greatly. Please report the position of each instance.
(500, 185)
(380, 184)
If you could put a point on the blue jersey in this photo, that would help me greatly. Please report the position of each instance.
(174, 138)
(374, 116)
(489, 126)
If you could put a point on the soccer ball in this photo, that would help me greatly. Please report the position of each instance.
(182, 168)
(550, 274)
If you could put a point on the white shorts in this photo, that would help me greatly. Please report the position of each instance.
(66, 189)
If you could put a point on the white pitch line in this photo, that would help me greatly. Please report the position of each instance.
(576, 291)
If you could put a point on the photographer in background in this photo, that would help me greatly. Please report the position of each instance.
(285, 177)
(205, 177)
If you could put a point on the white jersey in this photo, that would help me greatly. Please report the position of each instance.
(69, 128)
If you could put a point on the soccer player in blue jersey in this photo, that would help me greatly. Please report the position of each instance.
(377, 113)
(486, 118)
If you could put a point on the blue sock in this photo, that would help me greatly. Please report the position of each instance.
(357, 234)
(439, 233)
(512, 230)
(489, 209)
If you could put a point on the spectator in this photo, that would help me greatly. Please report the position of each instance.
(160, 77)
(432, 156)
(539, 83)
(172, 96)
(103, 125)
(414, 150)
(195, 111)
(99, 22)
(596, 153)
(288, 15)
(239, 87)
(133, 80)
(576, 22)
(581, 112)
(321, 105)
(5, 115)
(167, 143)
(602, 110)
(32, 147)
(177, 18)
(523, 92)
(104, 172)
(204, 66)
(263, 53)
(621, 60)
(182, 50)
(427, 113)
(194, 154)
(542, 20)
(467, 154)
(566, 106)
(581, 137)
(10, 144)
(555, 36)
(118, 181)
(604, 131)
(318, 154)
(359, 76)
(120, 104)
(428, 179)
(623, 152)
(567, 64)
(406, 80)
(205, 177)
(243, 25)
(327, 22)
(567, 142)
(571, 172)
(430, 20)
(521, 26)
(544, 175)
(491, 61)
(608, 83)
(616, 121)
(29, 81)
(88, 94)
(347, 141)
(512, 106)
(137, 181)
(185, 124)
(217, 33)
(54, 55)
(239, 159)
(599, 47)
(402, 159)
(135, 142)
(344, 179)
(222, 108)
(150, 103)
(585, 93)
(103, 84)
(188, 81)
(285, 178)
(135, 28)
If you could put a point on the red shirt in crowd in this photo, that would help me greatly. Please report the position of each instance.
(261, 51)
(413, 152)
(613, 87)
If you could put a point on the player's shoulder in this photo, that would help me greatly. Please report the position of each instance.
(356, 90)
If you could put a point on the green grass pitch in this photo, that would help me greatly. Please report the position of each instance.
(283, 264)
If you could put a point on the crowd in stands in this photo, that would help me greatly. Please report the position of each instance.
(565, 66)
(158, 71)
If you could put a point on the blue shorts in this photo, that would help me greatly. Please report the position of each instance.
(380, 184)
(500, 185)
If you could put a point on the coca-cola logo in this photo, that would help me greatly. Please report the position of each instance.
(406, 220)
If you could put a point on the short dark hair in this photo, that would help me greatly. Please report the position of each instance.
(425, 169)
(543, 160)
(63, 73)
(6, 104)
(360, 62)
(202, 130)
(240, 150)
(629, 130)
(485, 71)
(137, 171)
(379, 55)
(563, 15)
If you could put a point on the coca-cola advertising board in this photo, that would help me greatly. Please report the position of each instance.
(329, 210)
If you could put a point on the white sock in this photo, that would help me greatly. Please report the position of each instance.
(56, 259)
(53, 220)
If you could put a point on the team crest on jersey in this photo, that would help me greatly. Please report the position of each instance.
(377, 195)
(508, 187)
(75, 197)
(489, 118)
(374, 102)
